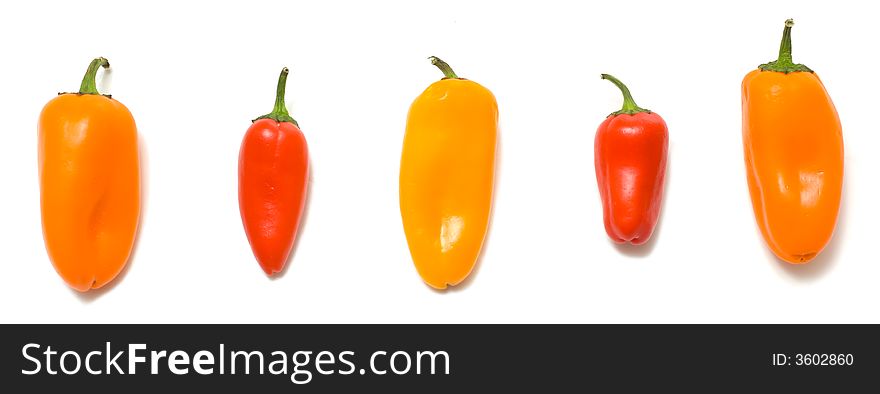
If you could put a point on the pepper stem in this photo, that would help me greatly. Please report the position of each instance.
(88, 85)
(785, 45)
(279, 112)
(629, 105)
(784, 63)
(443, 66)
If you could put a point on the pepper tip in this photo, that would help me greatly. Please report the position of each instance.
(789, 22)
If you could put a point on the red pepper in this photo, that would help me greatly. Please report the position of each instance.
(630, 158)
(273, 173)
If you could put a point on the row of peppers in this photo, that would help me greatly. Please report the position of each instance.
(90, 169)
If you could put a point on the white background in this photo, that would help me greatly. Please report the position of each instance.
(195, 73)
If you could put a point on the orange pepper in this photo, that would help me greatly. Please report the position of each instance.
(447, 173)
(89, 183)
(794, 155)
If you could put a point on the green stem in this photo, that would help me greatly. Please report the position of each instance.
(88, 85)
(279, 112)
(784, 63)
(629, 105)
(443, 66)
(785, 45)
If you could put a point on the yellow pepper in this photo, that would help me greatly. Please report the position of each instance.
(447, 176)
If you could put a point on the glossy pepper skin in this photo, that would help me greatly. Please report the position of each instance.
(89, 172)
(273, 173)
(630, 156)
(447, 173)
(793, 145)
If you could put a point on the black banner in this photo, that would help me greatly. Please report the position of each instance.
(437, 358)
